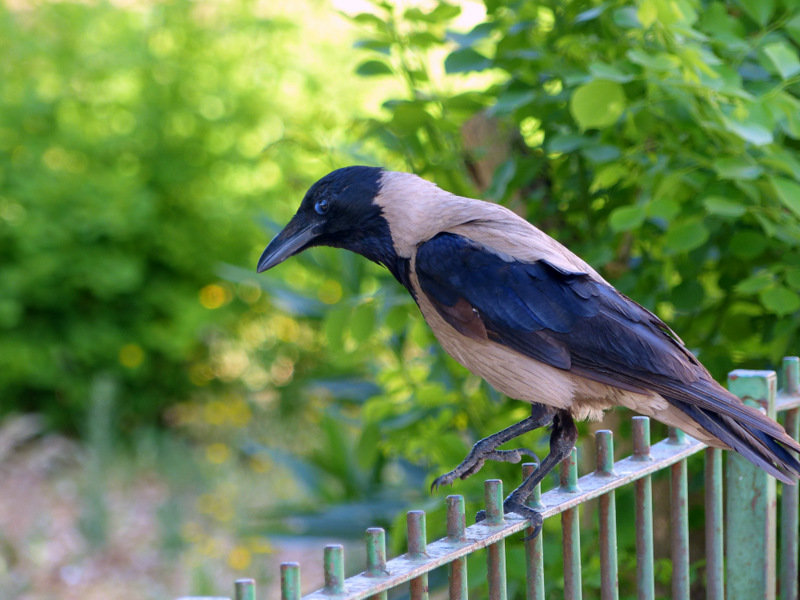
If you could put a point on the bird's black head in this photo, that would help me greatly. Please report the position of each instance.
(338, 210)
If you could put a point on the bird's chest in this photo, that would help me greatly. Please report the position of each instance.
(508, 371)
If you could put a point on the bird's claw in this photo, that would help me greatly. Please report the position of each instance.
(511, 505)
(475, 461)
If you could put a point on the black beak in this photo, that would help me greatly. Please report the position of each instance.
(294, 238)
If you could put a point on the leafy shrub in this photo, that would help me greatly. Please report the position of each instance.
(132, 164)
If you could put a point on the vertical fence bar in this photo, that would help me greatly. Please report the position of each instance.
(333, 568)
(715, 580)
(290, 581)
(607, 514)
(645, 584)
(534, 550)
(789, 493)
(679, 522)
(244, 589)
(750, 501)
(417, 541)
(571, 530)
(376, 556)
(496, 553)
(457, 570)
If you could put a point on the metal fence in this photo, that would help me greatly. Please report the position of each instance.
(741, 559)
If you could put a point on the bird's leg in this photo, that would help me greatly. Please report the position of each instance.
(562, 440)
(486, 449)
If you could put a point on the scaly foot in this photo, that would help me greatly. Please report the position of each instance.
(476, 459)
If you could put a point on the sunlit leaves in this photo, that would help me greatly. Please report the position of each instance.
(465, 60)
(598, 103)
(784, 58)
(788, 192)
(683, 237)
(626, 218)
(371, 68)
(779, 300)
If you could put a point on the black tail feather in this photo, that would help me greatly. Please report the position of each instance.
(761, 448)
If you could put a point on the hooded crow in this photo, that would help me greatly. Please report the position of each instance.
(539, 324)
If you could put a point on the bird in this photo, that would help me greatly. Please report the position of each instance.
(519, 309)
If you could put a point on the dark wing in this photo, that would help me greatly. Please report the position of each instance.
(565, 319)
(572, 321)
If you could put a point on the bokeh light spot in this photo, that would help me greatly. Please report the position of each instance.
(213, 296)
(131, 355)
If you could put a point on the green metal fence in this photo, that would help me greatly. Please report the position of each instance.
(741, 559)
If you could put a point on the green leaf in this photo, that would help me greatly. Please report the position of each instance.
(737, 168)
(335, 321)
(686, 236)
(566, 142)
(792, 276)
(784, 58)
(747, 244)
(759, 10)
(657, 62)
(664, 208)
(362, 322)
(370, 19)
(466, 60)
(626, 218)
(372, 68)
(375, 46)
(445, 12)
(788, 192)
(779, 300)
(793, 28)
(601, 153)
(423, 39)
(647, 13)
(609, 72)
(597, 104)
(442, 12)
(511, 100)
(717, 205)
(608, 176)
(755, 283)
(754, 133)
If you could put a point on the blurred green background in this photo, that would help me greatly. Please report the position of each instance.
(148, 151)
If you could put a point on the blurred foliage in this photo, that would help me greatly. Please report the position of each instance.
(137, 147)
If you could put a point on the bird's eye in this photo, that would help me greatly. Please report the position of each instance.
(321, 206)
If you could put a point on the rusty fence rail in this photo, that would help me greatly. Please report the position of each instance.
(741, 547)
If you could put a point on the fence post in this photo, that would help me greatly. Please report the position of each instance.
(750, 501)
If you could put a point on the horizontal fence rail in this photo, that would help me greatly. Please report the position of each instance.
(749, 569)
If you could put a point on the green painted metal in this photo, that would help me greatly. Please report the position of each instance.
(534, 550)
(333, 569)
(376, 552)
(376, 556)
(493, 496)
(645, 582)
(458, 585)
(495, 553)
(245, 589)
(417, 543)
(607, 516)
(570, 529)
(789, 494)
(290, 581)
(679, 522)
(750, 502)
(715, 578)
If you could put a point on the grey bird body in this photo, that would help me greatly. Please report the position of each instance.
(520, 310)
